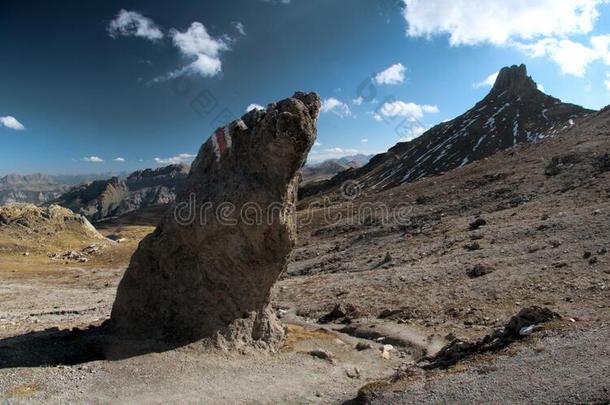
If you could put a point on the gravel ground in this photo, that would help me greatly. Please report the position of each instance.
(572, 367)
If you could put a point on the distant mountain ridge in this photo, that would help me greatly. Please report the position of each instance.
(39, 188)
(328, 168)
(116, 196)
(515, 111)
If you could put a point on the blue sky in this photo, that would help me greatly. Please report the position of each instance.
(120, 85)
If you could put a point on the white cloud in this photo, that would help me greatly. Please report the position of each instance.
(358, 101)
(398, 108)
(540, 87)
(537, 28)
(489, 81)
(607, 81)
(11, 122)
(119, 159)
(93, 159)
(202, 49)
(134, 24)
(469, 22)
(364, 140)
(601, 45)
(572, 57)
(316, 143)
(395, 74)
(239, 27)
(254, 106)
(181, 158)
(336, 107)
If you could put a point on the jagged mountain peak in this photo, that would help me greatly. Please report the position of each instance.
(514, 80)
(513, 112)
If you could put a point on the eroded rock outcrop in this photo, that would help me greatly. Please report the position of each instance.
(207, 270)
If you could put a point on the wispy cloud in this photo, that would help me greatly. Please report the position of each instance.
(11, 122)
(395, 74)
(335, 106)
(487, 82)
(239, 27)
(181, 158)
(133, 24)
(93, 159)
(119, 159)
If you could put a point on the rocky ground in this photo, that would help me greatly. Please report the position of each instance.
(470, 248)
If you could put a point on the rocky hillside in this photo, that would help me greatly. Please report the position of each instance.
(116, 196)
(26, 228)
(513, 112)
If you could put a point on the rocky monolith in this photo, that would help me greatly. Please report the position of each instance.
(208, 269)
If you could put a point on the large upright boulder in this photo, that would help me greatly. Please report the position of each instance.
(208, 268)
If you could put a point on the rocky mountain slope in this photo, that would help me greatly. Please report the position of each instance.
(513, 112)
(116, 196)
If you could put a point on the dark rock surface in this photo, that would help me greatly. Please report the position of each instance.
(193, 279)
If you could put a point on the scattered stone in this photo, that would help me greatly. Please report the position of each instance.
(360, 346)
(323, 354)
(344, 313)
(472, 246)
(602, 251)
(593, 260)
(586, 255)
(210, 276)
(476, 236)
(26, 253)
(353, 372)
(92, 249)
(479, 270)
(479, 222)
(517, 328)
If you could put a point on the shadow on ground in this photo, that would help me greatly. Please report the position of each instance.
(55, 347)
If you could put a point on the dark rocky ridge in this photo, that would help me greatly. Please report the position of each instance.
(102, 199)
(515, 111)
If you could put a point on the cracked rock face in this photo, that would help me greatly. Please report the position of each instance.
(208, 268)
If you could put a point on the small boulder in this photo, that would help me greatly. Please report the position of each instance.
(479, 270)
(477, 223)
